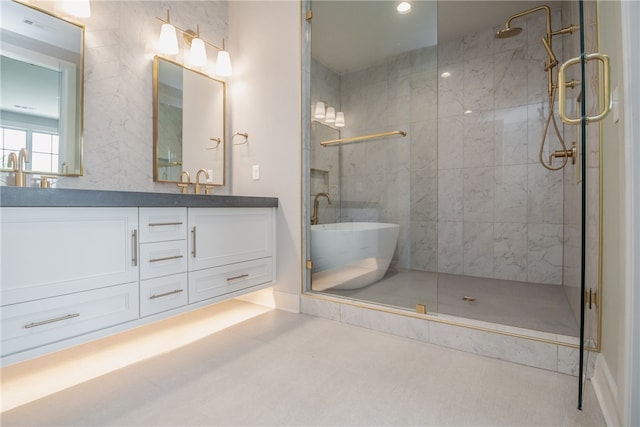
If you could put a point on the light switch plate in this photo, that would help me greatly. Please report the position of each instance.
(255, 172)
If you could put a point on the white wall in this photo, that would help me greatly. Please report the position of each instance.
(264, 98)
(615, 375)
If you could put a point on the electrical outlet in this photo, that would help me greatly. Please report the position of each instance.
(255, 172)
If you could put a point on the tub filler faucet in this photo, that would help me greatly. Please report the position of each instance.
(316, 202)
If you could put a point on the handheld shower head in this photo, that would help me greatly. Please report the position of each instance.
(505, 33)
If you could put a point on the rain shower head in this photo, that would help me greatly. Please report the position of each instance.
(505, 33)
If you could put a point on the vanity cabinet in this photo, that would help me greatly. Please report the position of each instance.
(70, 274)
(47, 252)
(66, 272)
(231, 249)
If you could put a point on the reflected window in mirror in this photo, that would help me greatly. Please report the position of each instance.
(189, 123)
(41, 81)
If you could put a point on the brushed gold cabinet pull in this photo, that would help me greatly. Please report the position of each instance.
(237, 277)
(167, 258)
(134, 248)
(46, 322)
(606, 89)
(177, 291)
(161, 224)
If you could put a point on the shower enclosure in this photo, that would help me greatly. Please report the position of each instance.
(449, 130)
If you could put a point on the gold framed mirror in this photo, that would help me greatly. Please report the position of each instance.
(42, 62)
(189, 109)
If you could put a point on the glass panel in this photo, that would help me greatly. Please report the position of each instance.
(484, 190)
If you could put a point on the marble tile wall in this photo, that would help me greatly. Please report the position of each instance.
(466, 178)
(500, 213)
(118, 97)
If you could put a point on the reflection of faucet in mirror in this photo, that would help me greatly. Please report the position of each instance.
(316, 202)
(18, 166)
(184, 186)
(206, 174)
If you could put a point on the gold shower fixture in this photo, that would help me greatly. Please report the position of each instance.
(552, 62)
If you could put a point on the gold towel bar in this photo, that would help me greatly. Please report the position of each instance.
(363, 137)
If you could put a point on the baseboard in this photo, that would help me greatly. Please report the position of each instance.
(606, 391)
(287, 302)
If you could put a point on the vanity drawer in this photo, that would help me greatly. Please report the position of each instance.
(213, 282)
(162, 294)
(162, 224)
(32, 324)
(163, 258)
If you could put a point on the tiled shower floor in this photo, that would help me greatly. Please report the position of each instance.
(525, 305)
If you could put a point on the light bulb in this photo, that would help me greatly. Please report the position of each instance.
(319, 113)
(331, 115)
(198, 53)
(223, 64)
(168, 41)
(404, 7)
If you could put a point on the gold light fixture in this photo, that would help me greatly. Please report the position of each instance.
(197, 55)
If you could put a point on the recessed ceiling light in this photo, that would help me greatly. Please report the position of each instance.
(445, 74)
(404, 7)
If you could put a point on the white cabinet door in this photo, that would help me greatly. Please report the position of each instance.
(220, 236)
(54, 251)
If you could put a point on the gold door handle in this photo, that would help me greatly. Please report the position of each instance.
(606, 89)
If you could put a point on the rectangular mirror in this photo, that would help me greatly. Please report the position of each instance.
(41, 81)
(189, 123)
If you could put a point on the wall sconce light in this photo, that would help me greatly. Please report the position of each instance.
(197, 56)
(328, 114)
(320, 112)
(330, 117)
(78, 8)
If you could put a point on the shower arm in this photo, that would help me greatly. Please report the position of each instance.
(548, 67)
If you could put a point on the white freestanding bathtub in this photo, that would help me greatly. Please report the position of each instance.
(351, 255)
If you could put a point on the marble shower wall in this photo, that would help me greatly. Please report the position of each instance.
(465, 185)
(118, 89)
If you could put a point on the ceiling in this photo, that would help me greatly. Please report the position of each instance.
(348, 35)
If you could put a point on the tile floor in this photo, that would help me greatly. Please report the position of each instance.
(293, 369)
(525, 305)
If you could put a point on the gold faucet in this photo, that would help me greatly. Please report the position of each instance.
(206, 174)
(18, 162)
(316, 202)
(184, 187)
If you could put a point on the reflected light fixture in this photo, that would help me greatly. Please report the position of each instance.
(168, 41)
(445, 74)
(404, 7)
(339, 119)
(79, 8)
(319, 112)
(330, 117)
(197, 55)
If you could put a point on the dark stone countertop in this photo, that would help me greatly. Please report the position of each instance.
(58, 197)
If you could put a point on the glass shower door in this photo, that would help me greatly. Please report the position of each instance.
(589, 71)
